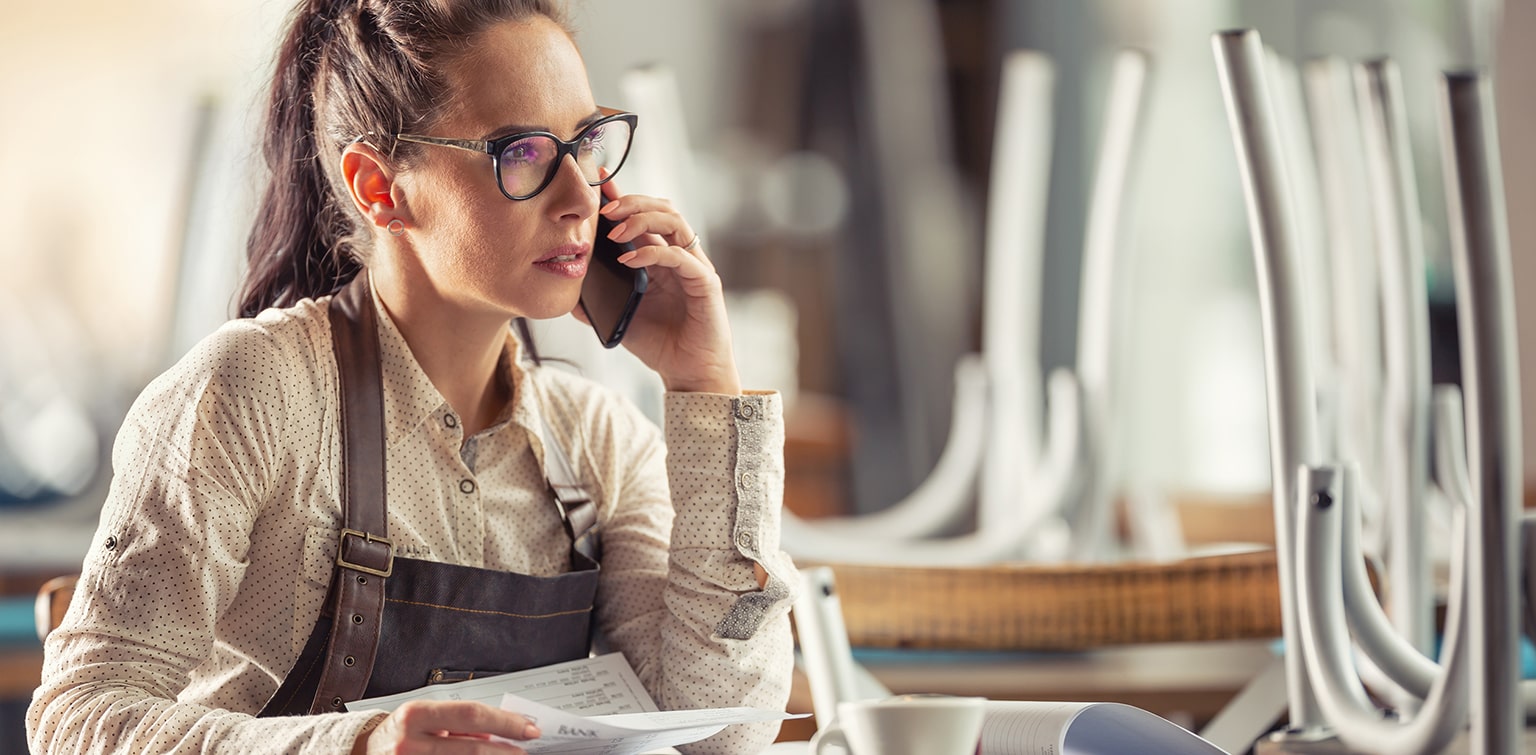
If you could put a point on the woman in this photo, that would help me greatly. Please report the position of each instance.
(231, 536)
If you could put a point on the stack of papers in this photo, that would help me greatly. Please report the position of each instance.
(592, 705)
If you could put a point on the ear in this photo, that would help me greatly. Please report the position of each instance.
(370, 181)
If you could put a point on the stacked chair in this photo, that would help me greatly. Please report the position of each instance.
(1027, 490)
(1326, 598)
(1022, 481)
(1029, 487)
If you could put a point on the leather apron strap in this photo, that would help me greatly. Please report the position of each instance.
(364, 554)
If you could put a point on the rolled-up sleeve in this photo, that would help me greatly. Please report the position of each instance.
(715, 638)
(727, 470)
(193, 461)
(725, 462)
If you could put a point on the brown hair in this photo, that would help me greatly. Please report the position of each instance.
(348, 69)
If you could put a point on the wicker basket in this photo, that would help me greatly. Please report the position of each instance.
(1074, 607)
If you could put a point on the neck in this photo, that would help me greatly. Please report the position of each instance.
(457, 349)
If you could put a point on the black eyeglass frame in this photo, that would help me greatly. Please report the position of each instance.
(494, 148)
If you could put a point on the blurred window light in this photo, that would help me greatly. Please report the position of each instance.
(804, 193)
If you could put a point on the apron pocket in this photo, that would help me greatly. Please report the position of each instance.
(449, 676)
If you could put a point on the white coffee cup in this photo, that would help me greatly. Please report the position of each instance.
(905, 725)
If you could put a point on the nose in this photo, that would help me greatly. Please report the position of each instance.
(570, 194)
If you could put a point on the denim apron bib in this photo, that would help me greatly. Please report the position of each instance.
(393, 624)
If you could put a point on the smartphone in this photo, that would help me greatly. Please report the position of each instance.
(612, 290)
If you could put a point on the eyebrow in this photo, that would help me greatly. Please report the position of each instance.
(508, 130)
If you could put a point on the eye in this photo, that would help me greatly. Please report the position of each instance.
(523, 152)
(592, 141)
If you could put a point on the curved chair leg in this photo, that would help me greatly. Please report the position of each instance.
(1405, 323)
(945, 498)
(1334, 122)
(1287, 358)
(1036, 531)
(828, 662)
(996, 415)
(1052, 504)
(1102, 307)
(1322, 499)
(52, 601)
(1017, 198)
(1490, 376)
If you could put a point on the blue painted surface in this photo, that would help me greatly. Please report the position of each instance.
(1527, 656)
(17, 627)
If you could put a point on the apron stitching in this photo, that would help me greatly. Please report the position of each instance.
(307, 672)
(496, 613)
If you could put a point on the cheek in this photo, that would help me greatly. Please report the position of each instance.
(442, 196)
(491, 238)
(447, 217)
(469, 226)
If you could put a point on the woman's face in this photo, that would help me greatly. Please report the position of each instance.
(475, 247)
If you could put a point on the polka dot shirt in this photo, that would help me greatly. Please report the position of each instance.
(217, 540)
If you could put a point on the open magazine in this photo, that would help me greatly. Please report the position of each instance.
(587, 706)
(1033, 728)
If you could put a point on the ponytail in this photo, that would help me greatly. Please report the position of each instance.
(292, 251)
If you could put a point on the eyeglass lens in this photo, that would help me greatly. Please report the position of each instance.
(528, 162)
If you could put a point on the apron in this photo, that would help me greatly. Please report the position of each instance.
(395, 624)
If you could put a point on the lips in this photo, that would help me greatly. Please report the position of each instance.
(567, 261)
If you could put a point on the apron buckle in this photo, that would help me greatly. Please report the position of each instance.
(368, 539)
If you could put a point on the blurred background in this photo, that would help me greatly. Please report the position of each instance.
(838, 157)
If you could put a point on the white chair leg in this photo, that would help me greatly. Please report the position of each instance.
(1251, 713)
(1405, 322)
(826, 657)
(1491, 381)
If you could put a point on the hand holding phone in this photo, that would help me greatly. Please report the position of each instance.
(611, 291)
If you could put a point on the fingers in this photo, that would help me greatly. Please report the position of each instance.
(465, 716)
(453, 727)
(696, 275)
(662, 238)
(636, 215)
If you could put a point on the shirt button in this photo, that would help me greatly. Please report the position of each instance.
(450, 420)
(744, 540)
(110, 543)
(745, 410)
(748, 479)
(466, 486)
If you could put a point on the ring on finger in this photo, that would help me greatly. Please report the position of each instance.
(692, 245)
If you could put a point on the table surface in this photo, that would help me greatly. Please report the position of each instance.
(1184, 682)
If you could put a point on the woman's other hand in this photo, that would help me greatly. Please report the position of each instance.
(680, 329)
(456, 728)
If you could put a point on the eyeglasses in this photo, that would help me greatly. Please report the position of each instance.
(526, 163)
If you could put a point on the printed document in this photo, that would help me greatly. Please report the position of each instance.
(603, 685)
(1041, 728)
(626, 733)
(590, 706)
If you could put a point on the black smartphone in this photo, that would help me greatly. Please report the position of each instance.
(612, 290)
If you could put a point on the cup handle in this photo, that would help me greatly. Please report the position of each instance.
(832, 735)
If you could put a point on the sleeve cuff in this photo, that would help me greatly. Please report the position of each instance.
(725, 458)
(725, 455)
